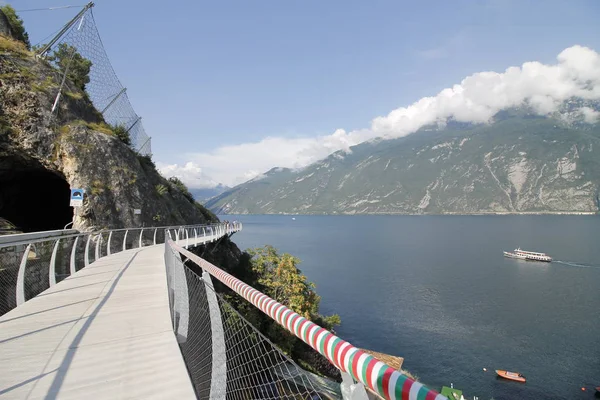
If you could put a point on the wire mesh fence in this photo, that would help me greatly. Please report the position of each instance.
(260, 376)
(10, 259)
(104, 89)
(225, 355)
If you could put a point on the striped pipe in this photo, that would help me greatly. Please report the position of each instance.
(378, 376)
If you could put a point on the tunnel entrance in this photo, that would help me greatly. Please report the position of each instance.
(32, 197)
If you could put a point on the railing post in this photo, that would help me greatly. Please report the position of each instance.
(125, 240)
(86, 259)
(195, 236)
(98, 242)
(52, 268)
(20, 289)
(154, 241)
(204, 235)
(141, 233)
(73, 250)
(218, 381)
(108, 244)
(176, 235)
(187, 238)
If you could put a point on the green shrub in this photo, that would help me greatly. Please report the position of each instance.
(161, 189)
(121, 132)
(146, 161)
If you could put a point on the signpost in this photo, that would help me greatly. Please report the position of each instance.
(77, 197)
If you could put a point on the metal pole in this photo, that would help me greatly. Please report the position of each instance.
(125, 240)
(64, 30)
(143, 144)
(86, 259)
(108, 244)
(73, 250)
(52, 272)
(113, 100)
(135, 122)
(20, 289)
(98, 242)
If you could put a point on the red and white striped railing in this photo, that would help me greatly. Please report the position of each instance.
(378, 376)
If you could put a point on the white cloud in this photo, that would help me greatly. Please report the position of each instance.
(590, 115)
(476, 99)
(191, 174)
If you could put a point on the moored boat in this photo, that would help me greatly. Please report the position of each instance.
(528, 255)
(513, 376)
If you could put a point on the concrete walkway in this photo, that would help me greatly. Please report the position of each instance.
(103, 333)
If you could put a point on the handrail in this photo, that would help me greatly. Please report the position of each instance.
(378, 376)
(32, 262)
(41, 236)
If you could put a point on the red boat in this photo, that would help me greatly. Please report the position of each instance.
(513, 376)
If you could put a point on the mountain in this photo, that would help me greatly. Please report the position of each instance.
(202, 195)
(520, 163)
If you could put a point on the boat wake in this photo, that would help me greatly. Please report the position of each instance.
(571, 264)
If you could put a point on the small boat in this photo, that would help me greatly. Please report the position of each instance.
(513, 376)
(528, 255)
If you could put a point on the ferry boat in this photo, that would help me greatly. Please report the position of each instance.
(528, 255)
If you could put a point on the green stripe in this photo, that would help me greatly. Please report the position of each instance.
(334, 342)
(322, 344)
(399, 385)
(351, 361)
(380, 379)
(363, 373)
(422, 393)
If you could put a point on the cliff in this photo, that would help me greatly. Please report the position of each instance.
(43, 154)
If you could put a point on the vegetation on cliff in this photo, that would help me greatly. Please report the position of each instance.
(16, 23)
(276, 275)
(73, 147)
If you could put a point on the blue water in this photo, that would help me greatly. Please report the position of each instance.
(437, 291)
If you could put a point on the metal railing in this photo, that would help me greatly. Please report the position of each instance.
(226, 364)
(33, 262)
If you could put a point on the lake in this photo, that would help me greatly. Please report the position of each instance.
(437, 291)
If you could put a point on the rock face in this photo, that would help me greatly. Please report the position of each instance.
(43, 154)
(519, 164)
(5, 27)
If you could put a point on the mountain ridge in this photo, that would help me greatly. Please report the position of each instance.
(520, 163)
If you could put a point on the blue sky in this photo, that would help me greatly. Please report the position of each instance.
(209, 77)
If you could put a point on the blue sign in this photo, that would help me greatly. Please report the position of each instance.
(77, 197)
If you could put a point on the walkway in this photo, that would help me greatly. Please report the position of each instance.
(104, 332)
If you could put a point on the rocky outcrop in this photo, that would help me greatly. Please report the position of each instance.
(5, 27)
(74, 145)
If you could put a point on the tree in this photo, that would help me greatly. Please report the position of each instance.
(280, 279)
(16, 23)
(67, 58)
